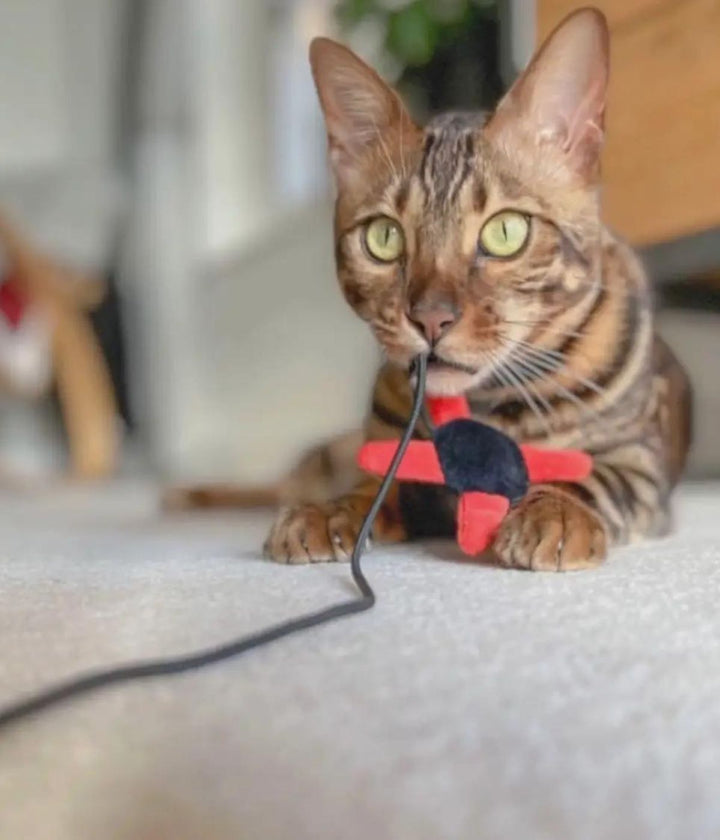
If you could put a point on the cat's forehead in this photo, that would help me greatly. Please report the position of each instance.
(453, 156)
(450, 143)
(458, 169)
(454, 122)
(451, 170)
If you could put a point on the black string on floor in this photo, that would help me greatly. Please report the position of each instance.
(166, 667)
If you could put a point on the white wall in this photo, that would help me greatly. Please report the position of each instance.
(163, 236)
(59, 79)
(285, 361)
(259, 144)
(34, 130)
(229, 95)
(243, 350)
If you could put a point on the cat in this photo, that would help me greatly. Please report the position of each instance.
(479, 239)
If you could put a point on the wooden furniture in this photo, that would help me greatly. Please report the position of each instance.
(662, 156)
(82, 378)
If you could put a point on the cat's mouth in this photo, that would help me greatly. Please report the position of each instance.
(436, 362)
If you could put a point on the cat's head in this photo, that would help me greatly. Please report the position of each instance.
(471, 235)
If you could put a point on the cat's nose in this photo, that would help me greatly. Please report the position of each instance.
(433, 322)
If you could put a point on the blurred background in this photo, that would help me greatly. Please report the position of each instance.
(168, 301)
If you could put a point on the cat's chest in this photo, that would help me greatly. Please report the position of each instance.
(569, 427)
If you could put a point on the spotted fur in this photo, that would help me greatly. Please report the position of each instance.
(554, 345)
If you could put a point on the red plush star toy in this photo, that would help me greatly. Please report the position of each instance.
(485, 467)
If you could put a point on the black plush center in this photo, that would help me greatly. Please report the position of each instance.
(475, 457)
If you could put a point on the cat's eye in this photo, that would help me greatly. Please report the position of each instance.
(505, 234)
(384, 239)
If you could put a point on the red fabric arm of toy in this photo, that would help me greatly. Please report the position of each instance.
(479, 514)
(420, 462)
(478, 517)
(444, 409)
(556, 464)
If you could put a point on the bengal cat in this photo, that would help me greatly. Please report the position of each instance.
(479, 239)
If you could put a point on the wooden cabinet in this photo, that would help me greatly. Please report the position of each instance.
(662, 156)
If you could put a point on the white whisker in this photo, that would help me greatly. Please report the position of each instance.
(530, 367)
(511, 379)
(548, 359)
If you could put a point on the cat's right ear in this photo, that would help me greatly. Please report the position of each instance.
(559, 100)
(360, 109)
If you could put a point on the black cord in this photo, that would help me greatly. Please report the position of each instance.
(166, 667)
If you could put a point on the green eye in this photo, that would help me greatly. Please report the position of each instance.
(384, 239)
(504, 234)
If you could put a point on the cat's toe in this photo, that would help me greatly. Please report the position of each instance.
(313, 534)
(550, 531)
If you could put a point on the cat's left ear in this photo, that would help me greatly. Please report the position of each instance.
(361, 111)
(560, 98)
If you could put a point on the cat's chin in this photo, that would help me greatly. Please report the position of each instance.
(447, 382)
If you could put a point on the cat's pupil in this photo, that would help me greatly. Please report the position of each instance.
(504, 229)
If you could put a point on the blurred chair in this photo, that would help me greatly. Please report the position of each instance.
(61, 181)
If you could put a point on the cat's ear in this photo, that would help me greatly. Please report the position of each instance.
(560, 98)
(360, 109)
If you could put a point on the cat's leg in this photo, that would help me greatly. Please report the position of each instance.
(564, 527)
(312, 533)
(309, 533)
(551, 529)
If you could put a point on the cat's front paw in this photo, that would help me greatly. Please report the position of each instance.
(314, 533)
(550, 531)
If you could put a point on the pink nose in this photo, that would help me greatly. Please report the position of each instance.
(433, 323)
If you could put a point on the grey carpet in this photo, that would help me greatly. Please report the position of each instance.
(472, 703)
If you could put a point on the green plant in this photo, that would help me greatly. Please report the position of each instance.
(414, 29)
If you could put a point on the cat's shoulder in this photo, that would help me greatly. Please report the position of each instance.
(622, 262)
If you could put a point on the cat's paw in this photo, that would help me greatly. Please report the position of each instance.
(550, 531)
(314, 533)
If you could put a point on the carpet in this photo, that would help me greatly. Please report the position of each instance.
(472, 703)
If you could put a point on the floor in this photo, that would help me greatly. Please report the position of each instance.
(471, 703)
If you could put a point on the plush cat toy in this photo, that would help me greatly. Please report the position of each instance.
(485, 467)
